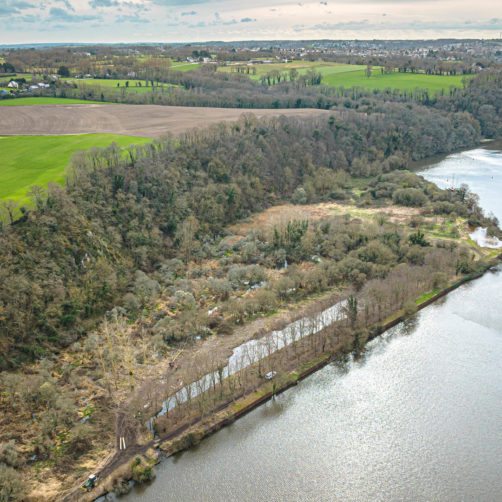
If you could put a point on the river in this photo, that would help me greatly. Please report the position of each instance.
(416, 417)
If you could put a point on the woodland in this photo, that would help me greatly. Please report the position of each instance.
(120, 267)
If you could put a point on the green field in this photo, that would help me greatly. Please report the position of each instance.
(394, 80)
(116, 84)
(44, 101)
(301, 66)
(338, 75)
(184, 66)
(37, 160)
(27, 76)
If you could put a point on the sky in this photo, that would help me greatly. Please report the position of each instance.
(42, 21)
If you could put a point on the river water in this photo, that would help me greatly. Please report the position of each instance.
(417, 417)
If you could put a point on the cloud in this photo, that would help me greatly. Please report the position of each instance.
(180, 3)
(28, 19)
(350, 25)
(67, 4)
(439, 27)
(8, 7)
(58, 15)
(247, 19)
(103, 3)
(131, 19)
(139, 7)
(21, 5)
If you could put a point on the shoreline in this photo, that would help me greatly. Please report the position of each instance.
(191, 433)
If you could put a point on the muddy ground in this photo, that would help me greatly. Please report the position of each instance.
(149, 121)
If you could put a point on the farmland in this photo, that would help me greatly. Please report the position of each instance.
(139, 120)
(184, 66)
(395, 80)
(37, 160)
(31, 157)
(220, 232)
(37, 100)
(123, 85)
(302, 67)
(346, 75)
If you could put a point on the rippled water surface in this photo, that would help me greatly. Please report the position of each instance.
(417, 417)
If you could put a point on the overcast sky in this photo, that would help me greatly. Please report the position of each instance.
(30, 21)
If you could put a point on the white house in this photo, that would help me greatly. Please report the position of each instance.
(13, 84)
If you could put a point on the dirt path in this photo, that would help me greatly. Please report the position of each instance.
(153, 383)
(149, 121)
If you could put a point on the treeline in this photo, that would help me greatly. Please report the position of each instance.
(435, 63)
(481, 96)
(70, 257)
(7, 68)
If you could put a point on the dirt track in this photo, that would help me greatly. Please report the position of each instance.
(149, 121)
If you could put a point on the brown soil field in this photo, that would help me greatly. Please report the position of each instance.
(149, 121)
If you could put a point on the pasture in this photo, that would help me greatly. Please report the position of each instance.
(302, 67)
(37, 160)
(346, 75)
(134, 85)
(395, 80)
(180, 66)
(38, 100)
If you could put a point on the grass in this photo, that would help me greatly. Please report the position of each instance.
(37, 160)
(338, 75)
(405, 81)
(447, 230)
(301, 66)
(36, 100)
(27, 76)
(184, 66)
(426, 296)
(118, 84)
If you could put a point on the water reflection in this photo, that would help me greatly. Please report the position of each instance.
(253, 351)
(415, 416)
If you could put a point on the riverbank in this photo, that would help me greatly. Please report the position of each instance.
(192, 433)
(157, 383)
(187, 438)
